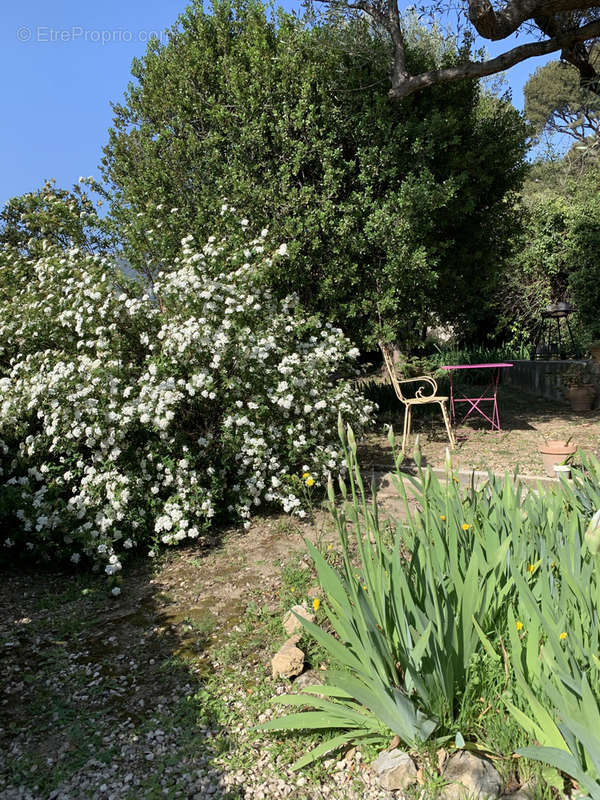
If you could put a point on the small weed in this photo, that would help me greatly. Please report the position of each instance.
(287, 527)
(204, 626)
(296, 578)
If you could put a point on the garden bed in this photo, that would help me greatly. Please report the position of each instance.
(157, 692)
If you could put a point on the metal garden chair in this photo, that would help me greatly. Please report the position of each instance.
(420, 399)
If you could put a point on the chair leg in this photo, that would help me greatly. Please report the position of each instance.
(447, 423)
(407, 421)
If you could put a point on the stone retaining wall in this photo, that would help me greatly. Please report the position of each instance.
(543, 378)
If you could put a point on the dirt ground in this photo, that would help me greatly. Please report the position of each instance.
(526, 421)
(88, 679)
(95, 687)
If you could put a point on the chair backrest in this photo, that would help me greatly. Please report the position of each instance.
(388, 359)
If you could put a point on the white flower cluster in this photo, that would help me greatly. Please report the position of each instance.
(128, 417)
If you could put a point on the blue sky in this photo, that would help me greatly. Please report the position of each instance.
(63, 63)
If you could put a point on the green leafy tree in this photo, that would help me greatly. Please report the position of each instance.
(547, 26)
(392, 212)
(584, 245)
(557, 254)
(556, 102)
(539, 271)
(54, 216)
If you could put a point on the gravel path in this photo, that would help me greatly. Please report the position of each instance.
(128, 698)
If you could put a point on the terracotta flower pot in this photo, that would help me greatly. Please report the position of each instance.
(552, 443)
(555, 453)
(582, 396)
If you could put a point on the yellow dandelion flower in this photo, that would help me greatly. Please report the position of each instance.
(519, 625)
(530, 568)
(563, 635)
(443, 517)
(365, 588)
(465, 526)
(309, 481)
(316, 603)
(330, 547)
(306, 475)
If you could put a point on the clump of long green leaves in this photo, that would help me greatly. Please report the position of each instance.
(585, 486)
(409, 618)
(365, 695)
(555, 640)
(404, 630)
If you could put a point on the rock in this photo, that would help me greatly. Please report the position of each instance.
(471, 777)
(289, 661)
(525, 792)
(442, 756)
(394, 769)
(312, 677)
(349, 756)
(292, 624)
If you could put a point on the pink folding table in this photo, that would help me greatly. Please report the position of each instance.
(489, 394)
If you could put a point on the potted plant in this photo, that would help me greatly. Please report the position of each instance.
(555, 452)
(581, 392)
(563, 470)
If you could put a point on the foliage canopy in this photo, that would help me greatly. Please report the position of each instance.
(557, 259)
(393, 212)
(568, 26)
(555, 103)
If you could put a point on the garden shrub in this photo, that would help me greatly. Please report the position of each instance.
(131, 416)
(498, 573)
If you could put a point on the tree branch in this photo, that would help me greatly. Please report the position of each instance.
(399, 72)
(478, 69)
(574, 53)
(391, 22)
(370, 9)
(494, 25)
(591, 121)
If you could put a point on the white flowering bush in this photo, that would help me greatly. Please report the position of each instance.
(132, 417)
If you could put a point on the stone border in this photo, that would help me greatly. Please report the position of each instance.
(380, 471)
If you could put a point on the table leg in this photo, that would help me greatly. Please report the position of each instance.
(475, 402)
(496, 415)
(452, 410)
